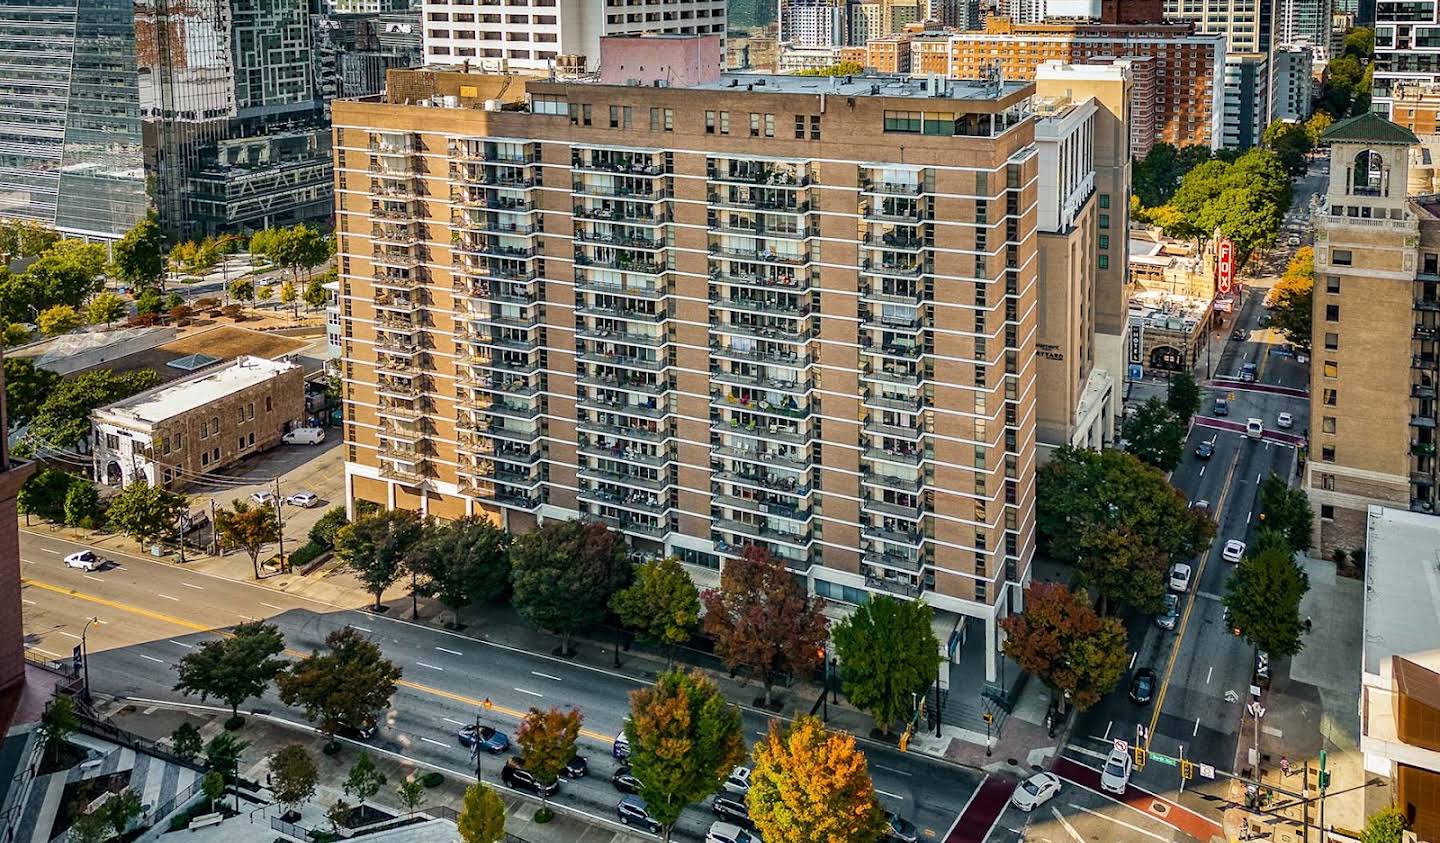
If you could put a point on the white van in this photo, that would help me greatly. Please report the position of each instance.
(304, 436)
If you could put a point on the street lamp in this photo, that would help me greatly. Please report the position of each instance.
(85, 659)
(1257, 711)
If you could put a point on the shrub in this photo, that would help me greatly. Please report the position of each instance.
(1339, 555)
(305, 554)
(432, 779)
(1357, 557)
(323, 533)
(206, 303)
(232, 311)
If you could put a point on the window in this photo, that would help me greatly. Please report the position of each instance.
(1104, 241)
(754, 125)
(614, 116)
(1104, 220)
(1327, 511)
(542, 104)
(1332, 313)
(1328, 397)
(1104, 200)
(205, 458)
(814, 127)
(1332, 284)
(215, 455)
(1104, 261)
(1332, 341)
(241, 412)
(269, 404)
(1327, 453)
(1327, 424)
(769, 125)
(709, 122)
(654, 119)
(799, 127)
(251, 438)
(165, 445)
(1332, 369)
(215, 425)
(903, 121)
(669, 114)
(724, 122)
(1340, 257)
(204, 429)
(241, 445)
(250, 410)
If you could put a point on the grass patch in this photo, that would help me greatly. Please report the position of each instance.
(432, 779)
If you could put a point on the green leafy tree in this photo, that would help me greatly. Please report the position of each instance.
(249, 527)
(297, 248)
(121, 810)
(213, 786)
(1360, 43)
(57, 723)
(1155, 435)
(138, 258)
(16, 334)
(364, 779)
(461, 562)
(69, 272)
(24, 239)
(265, 293)
(1291, 142)
(1089, 502)
(1293, 299)
(145, 513)
(185, 741)
(58, 319)
(106, 308)
(685, 737)
(812, 785)
(1060, 639)
(345, 685)
(235, 668)
(762, 620)
(888, 657)
(339, 815)
(411, 794)
(63, 417)
(82, 504)
(316, 295)
(482, 815)
(289, 296)
(564, 573)
(26, 388)
(150, 302)
(1316, 126)
(1183, 396)
(1286, 511)
(328, 527)
(43, 494)
(89, 826)
(844, 68)
(242, 289)
(547, 743)
(222, 754)
(1384, 826)
(662, 604)
(293, 776)
(374, 548)
(1262, 601)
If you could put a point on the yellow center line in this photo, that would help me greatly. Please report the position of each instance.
(162, 617)
(1190, 602)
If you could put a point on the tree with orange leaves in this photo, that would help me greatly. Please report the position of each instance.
(762, 619)
(1066, 644)
(812, 786)
(547, 743)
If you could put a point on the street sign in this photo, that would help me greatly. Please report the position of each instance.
(1207, 771)
(1225, 267)
(1162, 759)
(1121, 745)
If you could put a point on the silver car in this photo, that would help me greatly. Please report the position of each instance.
(1170, 615)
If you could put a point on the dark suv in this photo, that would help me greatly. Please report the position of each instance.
(514, 775)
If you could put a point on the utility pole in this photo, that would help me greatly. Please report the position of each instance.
(280, 524)
(214, 533)
(85, 657)
(938, 668)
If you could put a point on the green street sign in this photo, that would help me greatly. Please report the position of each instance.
(1163, 759)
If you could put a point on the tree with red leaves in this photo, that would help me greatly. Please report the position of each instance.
(1063, 641)
(762, 620)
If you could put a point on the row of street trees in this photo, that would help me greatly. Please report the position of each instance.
(1155, 432)
(1262, 598)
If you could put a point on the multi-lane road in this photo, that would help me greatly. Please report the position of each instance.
(151, 614)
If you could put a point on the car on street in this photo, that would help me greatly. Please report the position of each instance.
(304, 436)
(1284, 421)
(304, 500)
(516, 777)
(576, 767)
(1254, 428)
(723, 832)
(1142, 687)
(1233, 551)
(1035, 791)
(1115, 776)
(624, 780)
(364, 732)
(1170, 615)
(738, 782)
(1180, 577)
(1205, 450)
(1294, 241)
(900, 830)
(262, 498)
(85, 560)
(491, 740)
(621, 747)
(1222, 407)
(1201, 505)
(1239, 334)
(1249, 370)
(731, 808)
(632, 811)
(1264, 320)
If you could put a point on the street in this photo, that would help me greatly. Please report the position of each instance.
(151, 614)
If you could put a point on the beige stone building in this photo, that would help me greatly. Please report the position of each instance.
(1374, 362)
(709, 311)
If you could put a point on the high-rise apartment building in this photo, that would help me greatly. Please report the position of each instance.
(713, 312)
(1189, 67)
(545, 34)
(1305, 23)
(206, 111)
(1292, 86)
(1247, 100)
(1375, 364)
(1248, 25)
(1406, 50)
(819, 23)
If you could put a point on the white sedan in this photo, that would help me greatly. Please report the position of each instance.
(1234, 550)
(304, 500)
(1180, 577)
(1285, 421)
(1035, 791)
(85, 560)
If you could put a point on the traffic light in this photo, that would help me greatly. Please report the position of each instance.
(1141, 755)
(1187, 769)
(1324, 780)
(905, 740)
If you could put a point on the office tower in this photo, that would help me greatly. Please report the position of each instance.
(1375, 363)
(552, 34)
(207, 111)
(670, 308)
(1248, 25)
(1246, 100)
(1305, 23)
(1405, 52)
(806, 24)
(1293, 88)
(960, 14)
(1189, 67)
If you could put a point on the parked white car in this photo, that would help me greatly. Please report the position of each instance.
(305, 500)
(1035, 791)
(85, 560)
(1234, 551)
(304, 436)
(738, 781)
(262, 498)
(1180, 577)
(1116, 775)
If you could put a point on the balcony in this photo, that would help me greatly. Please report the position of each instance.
(759, 456)
(1425, 361)
(911, 512)
(909, 485)
(786, 203)
(912, 404)
(480, 198)
(635, 430)
(587, 283)
(627, 525)
(882, 293)
(640, 164)
(627, 361)
(398, 280)
(396, 213)
(895, 213)
(1422, 449)
(890, 241)
(511, 409)
(633, 193)
(491, 154)
(899, 375)
(490, 175)
(759, 175)
(759, 531)
(763, 332)
(1422, 391)
(911, 538)
(484, 269)
(759, 506)
(786, 358)
(625, 383)
(1423, 422)
(904, 589)
(613, 238)
(489, 224)
(620, 452)
(1429, 305)
(786, 281)
(398, 304)
(625, 313)
(787, 305)
(408, 436)
(899, 351)
(894, 561)
(762, 231)
(612, 335)
(627, 479)
(401, 259)
(772, 432)
(633, 499)
(789, 408)
(598, 399)
(622, 264)
(788, 386)
(394, 344)
(758, 255)
(401, 388)
(892, 188)
(393, 366)
(893, 270)
(402, 235)
(392, 409)
(638, 215)
(1426, 332)
(404, 474)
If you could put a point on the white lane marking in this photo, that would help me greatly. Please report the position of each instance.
(1134, 828)
(117, 567)
(888, 793)
(1202, 474)
(456, 722)
(1068, 827)
(1196, 730)
(544, 675)
(182, 644)
(361, 628)
(1259, 477)
(1133, 656)
(192, 585)
(88, 577)
(1208, 673)
(167, 597)
(1108, 726)
(272, 606)
(431, 666)
(451, 652)
(48, 550)
(891, 770)
(68, 634)
(247, 617)
(531, 693)
(1248, 516)
(152, 658)
(437, 743)
(28, 602)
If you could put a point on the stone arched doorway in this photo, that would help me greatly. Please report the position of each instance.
(1167, 358)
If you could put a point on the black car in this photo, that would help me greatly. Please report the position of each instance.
(576, 767)
(364, 732)
(731, 808)
(625, 781)
(1205, 450)
(1142, 687)
(632, 811)
(899, 829)
(514, 775)
(1239, 334)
